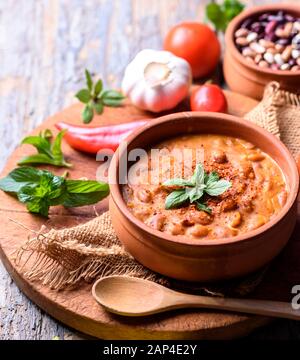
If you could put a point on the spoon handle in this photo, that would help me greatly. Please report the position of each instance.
(258, 307)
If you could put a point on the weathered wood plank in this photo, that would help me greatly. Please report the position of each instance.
(44, 47)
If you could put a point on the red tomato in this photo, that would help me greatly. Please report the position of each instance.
(208, 97)
(197, 44)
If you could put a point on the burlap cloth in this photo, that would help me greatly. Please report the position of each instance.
(64, 258)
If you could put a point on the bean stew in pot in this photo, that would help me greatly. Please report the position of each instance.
(205, 187)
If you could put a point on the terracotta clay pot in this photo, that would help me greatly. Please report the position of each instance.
(206, 260)
(250, 79)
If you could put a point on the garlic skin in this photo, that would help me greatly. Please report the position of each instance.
(157, 80)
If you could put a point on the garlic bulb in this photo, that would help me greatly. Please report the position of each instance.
(156, 80)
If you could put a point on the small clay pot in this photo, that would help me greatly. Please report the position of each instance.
(249, 79)
(207, 260)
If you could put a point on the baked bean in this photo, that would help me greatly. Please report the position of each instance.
(228, 204)
(158, 221)
(255, 156)
(236, 219)
(199, 230)
(142, 214)
(177, 229)
(247, 206)
(247, 170)
(233, 230)
(200, 217)
(219, 156)
(144, 195)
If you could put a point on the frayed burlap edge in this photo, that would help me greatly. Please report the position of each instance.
(62, 258)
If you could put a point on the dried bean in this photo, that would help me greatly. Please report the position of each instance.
(272, 51)
(258, 58)
(283, 42)
(266, 44)
(295, 68)
(286, 54)
(295, 53)
(242, 41)
(263, 64)
(271, 27)
(279, 47)
(278, 59)
(249, 59)
(251, 37)
(248, 52)
(257, 48)
(269, 57)
(285, 66)
(241, 33)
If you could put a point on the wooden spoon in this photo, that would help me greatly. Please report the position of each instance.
(129, 296)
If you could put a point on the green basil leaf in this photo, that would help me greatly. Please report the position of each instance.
(56, 146)
(212, 177)
(176, 198)
(98, 87)
(195, 194)
(89, 81)
(112, 102)
(199, 175)
(203, 207)
(215, 14)
(42, 159)
(84, 192)
(218, 187)
(98, 106)
(112, 95)
(18, 178)
(38, 207)
(177, 182)
(37, 159)
(84, 96)
(86, 186)
(42, 144)
(87, 114)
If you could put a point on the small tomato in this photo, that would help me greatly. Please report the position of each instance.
(208, 97)
(197, 44)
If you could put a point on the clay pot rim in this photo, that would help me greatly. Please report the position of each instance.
(115, 188)
(229, 36)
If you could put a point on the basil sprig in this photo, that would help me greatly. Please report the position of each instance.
(40, 189)
(95, 98)
(48, 150)
(193, 190)
(221, 14)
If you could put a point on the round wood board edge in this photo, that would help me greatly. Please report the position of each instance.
(77, 308)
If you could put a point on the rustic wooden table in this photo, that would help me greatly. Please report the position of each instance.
(44, 48)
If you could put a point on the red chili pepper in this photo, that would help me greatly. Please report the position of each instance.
(91, 140)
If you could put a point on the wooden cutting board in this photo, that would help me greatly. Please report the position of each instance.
(77, 308)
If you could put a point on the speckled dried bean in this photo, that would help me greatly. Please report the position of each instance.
(242, 41)
(278, 59)
(263, 64)
(257, 48)
(269, 57)
(284, 67)
(241, 33)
